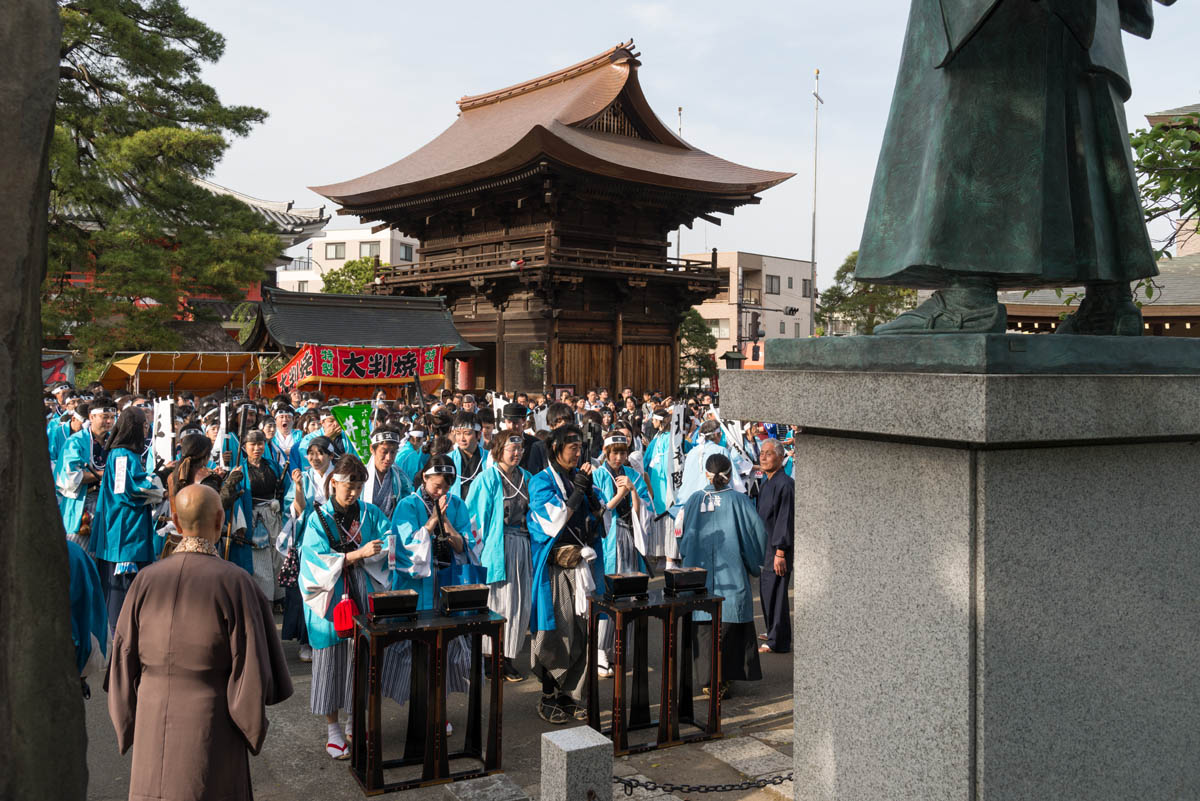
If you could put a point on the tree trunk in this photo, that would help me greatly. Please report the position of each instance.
(42, 735)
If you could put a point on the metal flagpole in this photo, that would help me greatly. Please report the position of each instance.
(812, 295)
(679, 232)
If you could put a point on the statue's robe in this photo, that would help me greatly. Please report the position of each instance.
(1006, 154)
(195, 660)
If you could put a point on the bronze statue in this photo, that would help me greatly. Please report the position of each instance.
(1006, 164)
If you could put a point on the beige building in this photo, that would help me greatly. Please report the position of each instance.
(331, 249)
(776, 292)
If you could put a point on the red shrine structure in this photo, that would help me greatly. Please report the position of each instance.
(543, 213)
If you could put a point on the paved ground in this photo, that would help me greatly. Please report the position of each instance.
(757, 722)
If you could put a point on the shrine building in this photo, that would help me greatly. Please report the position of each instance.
(543, 214)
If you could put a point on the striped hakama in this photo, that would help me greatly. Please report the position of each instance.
(660, 538)
(627, 562)
(512, 597)
(561, 654)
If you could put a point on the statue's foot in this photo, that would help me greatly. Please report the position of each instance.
(946, 313)
(1106, 310)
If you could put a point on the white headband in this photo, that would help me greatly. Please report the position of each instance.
(385, 436)
(326, 414)
(417, 434)
(78, 416)
(343, 478)
(441, 469)
(102, 410)
(616, 439)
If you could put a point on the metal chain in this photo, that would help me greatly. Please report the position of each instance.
(667, 787)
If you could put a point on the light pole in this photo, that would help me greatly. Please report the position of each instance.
(812, 295)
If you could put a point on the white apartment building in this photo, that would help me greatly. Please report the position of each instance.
(775, 291)
(332, 248)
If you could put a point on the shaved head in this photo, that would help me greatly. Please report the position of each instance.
(198, 512)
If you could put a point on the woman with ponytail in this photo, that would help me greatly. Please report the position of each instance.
(349, 550)
(720, 530)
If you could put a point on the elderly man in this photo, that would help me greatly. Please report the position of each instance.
(776, 507)
(195, 661)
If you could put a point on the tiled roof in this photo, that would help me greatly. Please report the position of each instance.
(1182, 111)
(294, 225)
(503, 131)
(289, 319)
(1179, 279)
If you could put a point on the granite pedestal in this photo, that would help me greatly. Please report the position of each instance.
(997, 579)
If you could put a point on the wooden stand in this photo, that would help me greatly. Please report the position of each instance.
(676, 703)
(425, 742)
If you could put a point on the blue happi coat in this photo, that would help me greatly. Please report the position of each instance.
(123, 528)
(57, 433)
(657, 462)
(312, 489)
(485, 502)
(89, 611)
(73, 462)
(243, 511)
(723, 534)
(409, 518)
(401, 485)
(547, 518)
(411, 461)
(321, 583)
(456, 456)
(606, 488)
(298, 458)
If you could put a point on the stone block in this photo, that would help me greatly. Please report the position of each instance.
(989, 354)
(498, 787)
(1003, 611)
(575, 761)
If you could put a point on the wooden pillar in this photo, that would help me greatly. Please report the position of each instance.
(552, 355)
(618, 378)
(499, 350)
(673, 379)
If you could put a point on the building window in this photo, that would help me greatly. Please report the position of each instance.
(772, 284)
(404, 253)
(301, 286)
(806, 287)
(789, 282)
(798, 333)
(719, 328)
(782, 328)
(335, 250)
(368, 250)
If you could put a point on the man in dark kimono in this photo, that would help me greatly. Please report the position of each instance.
(776, 506)
(195, 660)
(1006, 164)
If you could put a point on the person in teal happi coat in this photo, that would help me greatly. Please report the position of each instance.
(499, 505)
(89, 615)
(79, 470)
(412, 457)
(123, 540)
(722, 533)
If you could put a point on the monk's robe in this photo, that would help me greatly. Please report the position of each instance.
(195, 661)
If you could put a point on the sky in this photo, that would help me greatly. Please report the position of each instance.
(355, 85)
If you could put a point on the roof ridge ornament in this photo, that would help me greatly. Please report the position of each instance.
(620, 53)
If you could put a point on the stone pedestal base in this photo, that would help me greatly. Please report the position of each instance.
(997, 592)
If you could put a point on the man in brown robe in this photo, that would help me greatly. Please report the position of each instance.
(195, 660)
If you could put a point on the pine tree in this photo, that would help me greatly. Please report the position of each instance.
(134, 124)
(696, 344)
(864, 305)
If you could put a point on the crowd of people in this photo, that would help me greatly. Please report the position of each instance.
(536, 496)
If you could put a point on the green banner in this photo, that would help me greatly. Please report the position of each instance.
(355, 420)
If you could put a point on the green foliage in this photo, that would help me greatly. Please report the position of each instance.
(864, 305)
(352, 278)
(696, 344)
(537, 361)
(1167, 162)
(134, 125)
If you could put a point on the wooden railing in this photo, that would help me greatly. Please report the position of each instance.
(455, 266)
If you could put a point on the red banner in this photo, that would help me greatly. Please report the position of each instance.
(317, 364)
